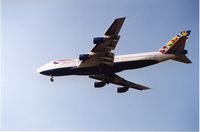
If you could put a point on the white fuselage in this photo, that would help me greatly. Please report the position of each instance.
(144, 56)
(121, 62)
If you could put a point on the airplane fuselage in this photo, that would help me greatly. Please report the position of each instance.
(121, 63)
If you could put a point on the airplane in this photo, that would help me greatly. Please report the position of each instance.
(102, 64)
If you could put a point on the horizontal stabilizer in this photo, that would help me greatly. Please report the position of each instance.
(183, 58)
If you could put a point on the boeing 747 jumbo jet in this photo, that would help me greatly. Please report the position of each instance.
(102, 64)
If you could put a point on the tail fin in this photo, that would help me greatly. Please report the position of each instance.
(177, 46)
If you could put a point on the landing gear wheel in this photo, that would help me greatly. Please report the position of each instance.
(51, 79)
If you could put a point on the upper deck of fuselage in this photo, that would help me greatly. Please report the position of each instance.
(66, 62)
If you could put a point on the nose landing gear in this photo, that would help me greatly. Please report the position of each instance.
(51, 79)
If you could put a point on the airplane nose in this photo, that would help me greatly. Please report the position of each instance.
(39, 70)
(44, 70)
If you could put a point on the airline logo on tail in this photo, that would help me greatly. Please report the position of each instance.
(173, 41)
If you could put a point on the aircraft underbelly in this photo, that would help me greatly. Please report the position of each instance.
(120, 66)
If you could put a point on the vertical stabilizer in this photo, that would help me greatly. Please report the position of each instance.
(176, 46)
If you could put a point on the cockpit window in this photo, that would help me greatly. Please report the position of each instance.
(55, 62)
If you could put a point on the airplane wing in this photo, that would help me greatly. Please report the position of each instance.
(101, 52)
(115, 79)
(115, 27)
(112, 35)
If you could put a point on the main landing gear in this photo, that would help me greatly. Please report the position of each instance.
(51, 79)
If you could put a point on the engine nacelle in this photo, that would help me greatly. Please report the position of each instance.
(98, 40)
(122, 89)
(84, 57)
(184, 52)
(99, 84)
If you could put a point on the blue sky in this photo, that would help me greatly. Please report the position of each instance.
(35, 32)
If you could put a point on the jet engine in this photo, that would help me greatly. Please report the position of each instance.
(84, 57)
(122, 89)
(184, 52)
(99, 84)
(98, 40)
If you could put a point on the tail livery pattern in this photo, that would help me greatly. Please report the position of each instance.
(176, 46)
(175, 41)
